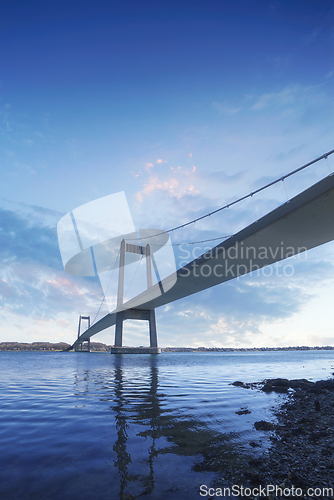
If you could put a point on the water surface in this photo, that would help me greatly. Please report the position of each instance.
(100, 426)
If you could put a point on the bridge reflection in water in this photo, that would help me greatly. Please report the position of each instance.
(147, 411)
(157, 451)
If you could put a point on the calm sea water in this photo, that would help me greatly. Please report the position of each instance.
(100, 426)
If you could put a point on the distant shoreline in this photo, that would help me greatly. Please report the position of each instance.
(100, 347)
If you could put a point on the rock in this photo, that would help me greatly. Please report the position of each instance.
(325, 384)
(255, 462)
(300, 383)
(267, 388)
(238, 383)
(280, 382)
(262, 425)
(270, 387)
(242, 411)
(254, 444)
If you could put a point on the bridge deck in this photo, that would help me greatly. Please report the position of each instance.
(304, 222)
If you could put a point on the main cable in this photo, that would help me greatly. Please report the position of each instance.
(324, 156)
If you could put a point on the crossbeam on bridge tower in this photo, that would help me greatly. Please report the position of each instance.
(138, 314)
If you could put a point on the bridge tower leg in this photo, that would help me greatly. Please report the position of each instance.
(153, 325)
(153, 329)
(120, 297)
(119, 329)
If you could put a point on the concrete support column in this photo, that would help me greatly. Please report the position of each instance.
(120, 295)
(148, 266)
(79, 326)
(152, 322)
(120, 292)
(119, 329)
(153, 329)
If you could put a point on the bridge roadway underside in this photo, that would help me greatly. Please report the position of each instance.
(304, 222)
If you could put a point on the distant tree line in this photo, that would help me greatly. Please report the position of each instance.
(99, 346)
(46, 346)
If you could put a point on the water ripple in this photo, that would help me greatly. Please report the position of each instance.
(98, 426)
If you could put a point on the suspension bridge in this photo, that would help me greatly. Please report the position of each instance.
(300, 224)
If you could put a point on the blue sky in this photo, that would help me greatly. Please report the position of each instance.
(184, 106)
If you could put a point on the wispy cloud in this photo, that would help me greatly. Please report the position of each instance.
(225, 109)
(238, 313)
(285, 96)
(180, 170)
(224, 178)
(280, 62)
(148, 167)
(312, 37)
(34, 213)
(32, 279)
(20, 239)
(291, 96)
(176, 186)
(135, 174)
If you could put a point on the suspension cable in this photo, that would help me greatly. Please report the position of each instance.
(324, 156)
(133, 277)
(104, 294)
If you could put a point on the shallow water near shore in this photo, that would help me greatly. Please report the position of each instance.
(95, 425)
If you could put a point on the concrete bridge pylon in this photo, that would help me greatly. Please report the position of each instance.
(137, 314)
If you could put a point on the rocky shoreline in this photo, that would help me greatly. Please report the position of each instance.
(302, 452)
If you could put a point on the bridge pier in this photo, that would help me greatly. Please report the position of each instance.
(153, 329)
(139, 314)
(119, 329)
(79, 343)
(79, 346)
